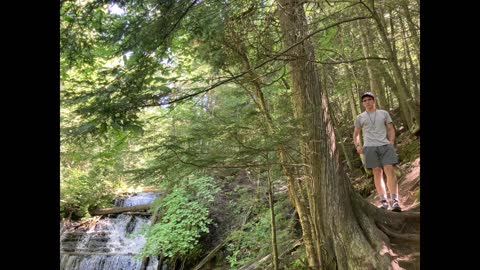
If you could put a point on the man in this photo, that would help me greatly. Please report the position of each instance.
(378, 148)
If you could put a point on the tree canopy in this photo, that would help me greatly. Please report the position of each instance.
(156, 91)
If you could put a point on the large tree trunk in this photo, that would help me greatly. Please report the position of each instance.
(340, 140)
(335, 120)
(344, 234)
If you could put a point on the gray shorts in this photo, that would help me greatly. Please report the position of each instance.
(377, 156)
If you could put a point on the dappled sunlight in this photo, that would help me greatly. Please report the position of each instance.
(123, 188)
(115, 9)
(241, 114)
(386, 249)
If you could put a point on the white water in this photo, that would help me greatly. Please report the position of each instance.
(109, 244)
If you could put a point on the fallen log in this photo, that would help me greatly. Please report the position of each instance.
(138, 213)
(256, 264)
(210, 255)
(116, 210)
(85, 253)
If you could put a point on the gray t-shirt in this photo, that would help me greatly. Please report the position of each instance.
(374, 127)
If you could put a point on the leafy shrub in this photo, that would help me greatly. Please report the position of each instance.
(81, 191)
(184, 217)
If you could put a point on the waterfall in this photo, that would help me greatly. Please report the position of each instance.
(136, 199)
(108, 244)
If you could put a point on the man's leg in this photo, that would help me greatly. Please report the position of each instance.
(380, 186)
(392, 186)
(378, 179)
(372, 161)
(391, 179)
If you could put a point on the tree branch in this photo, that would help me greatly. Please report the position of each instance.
(340, 62)
(215, 85)
(181, 17)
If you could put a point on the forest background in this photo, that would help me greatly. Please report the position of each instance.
(247, 105)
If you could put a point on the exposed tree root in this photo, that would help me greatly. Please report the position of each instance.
(402, 236)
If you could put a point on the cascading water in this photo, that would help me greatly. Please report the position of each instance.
(136, 199)
(108, 244)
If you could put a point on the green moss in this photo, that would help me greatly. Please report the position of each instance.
(408, 150)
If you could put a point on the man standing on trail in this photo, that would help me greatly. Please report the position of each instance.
(378, 148)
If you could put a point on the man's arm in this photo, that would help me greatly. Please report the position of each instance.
(391, 133)
(356, 137)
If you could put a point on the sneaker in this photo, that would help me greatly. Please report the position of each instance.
(384, 204)
(396, 206)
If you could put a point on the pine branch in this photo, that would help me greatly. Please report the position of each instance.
(275, 57)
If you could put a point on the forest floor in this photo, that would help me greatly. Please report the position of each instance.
(405, 246)
(408, 186)
(404, 227)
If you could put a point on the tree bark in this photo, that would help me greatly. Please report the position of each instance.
(335, 121)
(340, 140)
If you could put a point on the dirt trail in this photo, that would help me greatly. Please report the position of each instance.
(405, 227)
(408, 186)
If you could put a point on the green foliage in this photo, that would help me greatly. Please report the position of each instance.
(250, 242)
(296, 260)
(181, 140)
(138, 59)
(364, 186)
(117, 68)
(90, 173)
(111, 63)
(184, 217)
(81, 191)
(253, 240)
(409, 150)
